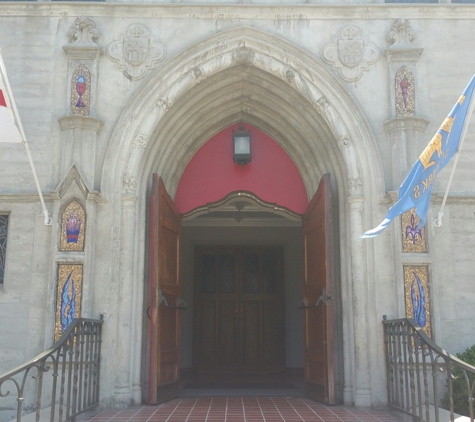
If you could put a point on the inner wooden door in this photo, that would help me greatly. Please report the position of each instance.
(239, 310)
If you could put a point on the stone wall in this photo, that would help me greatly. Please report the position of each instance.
(43, 43)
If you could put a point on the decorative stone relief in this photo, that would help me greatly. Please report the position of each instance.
(416, 289)
(198, 74)
(401, 33)
(349, 54)
(164, 103)
(405, 93)
(401, 37)
(355, 187)
(326, 110)
(136, 52)
(129, 182)
(141, 141)
(344, 142)
(84, 32)
(81, 91)
(243, 56)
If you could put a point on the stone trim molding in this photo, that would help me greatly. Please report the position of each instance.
(403, 123)
(82, 122)
(419, 11)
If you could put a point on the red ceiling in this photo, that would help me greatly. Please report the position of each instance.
(211, 174)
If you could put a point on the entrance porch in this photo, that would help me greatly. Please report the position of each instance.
(244, 409)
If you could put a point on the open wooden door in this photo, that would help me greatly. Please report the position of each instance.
(165, 289)
(317, 305)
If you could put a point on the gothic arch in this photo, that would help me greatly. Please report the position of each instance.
(243, 75)
(296, 73)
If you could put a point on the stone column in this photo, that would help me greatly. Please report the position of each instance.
(122, 392)
(362, 384)
(405, 131)
(79, 124)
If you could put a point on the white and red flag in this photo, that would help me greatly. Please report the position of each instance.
(8, 130)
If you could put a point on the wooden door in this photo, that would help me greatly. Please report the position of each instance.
(165, 289)
(239, 317)
(318, 290)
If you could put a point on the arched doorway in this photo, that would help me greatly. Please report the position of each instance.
(233, 274)
(243, 75)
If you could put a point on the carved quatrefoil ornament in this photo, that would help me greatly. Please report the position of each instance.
(136, 52)
(349, 54)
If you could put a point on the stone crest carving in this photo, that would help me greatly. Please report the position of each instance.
(401, 33)
(84, 32)
(136, 52)
(349, 54)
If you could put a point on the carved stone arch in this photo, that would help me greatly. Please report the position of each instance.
(238, 47)
(242, 75)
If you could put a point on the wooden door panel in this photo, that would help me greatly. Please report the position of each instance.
(246, 284)
(251, 335)
(273, 335)
(225, 354)
(170, 260)
(165, 289)
(317, 290)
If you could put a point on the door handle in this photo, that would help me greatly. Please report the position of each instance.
(322, 299)
(236, 311)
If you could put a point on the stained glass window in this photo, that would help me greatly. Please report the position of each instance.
(3, 245)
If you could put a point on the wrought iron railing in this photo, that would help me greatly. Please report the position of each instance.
(73, 387)
(419, 373)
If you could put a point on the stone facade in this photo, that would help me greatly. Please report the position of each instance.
(161, 80)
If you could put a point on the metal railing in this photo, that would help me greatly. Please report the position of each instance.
(419, 372)
(74, 364)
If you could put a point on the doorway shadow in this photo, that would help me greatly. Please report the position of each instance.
(242, 385)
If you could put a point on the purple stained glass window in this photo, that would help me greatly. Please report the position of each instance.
(3, 245)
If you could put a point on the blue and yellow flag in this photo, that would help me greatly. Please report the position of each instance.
(415, 190)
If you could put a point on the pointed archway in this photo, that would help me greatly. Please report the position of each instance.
(244, 75)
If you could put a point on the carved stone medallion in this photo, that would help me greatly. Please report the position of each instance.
(136, 52)
(349, 54)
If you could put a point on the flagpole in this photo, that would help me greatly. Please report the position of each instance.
(438, 220)
(48, 221)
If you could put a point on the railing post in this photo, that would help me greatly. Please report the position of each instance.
(407, 350)
(68, 352)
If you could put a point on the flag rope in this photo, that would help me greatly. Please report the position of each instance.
(438, 220)
(48, 219)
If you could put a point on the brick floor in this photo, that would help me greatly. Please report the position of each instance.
(243, 409)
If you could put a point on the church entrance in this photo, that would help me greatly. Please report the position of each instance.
(239, 310)
(257, 275)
